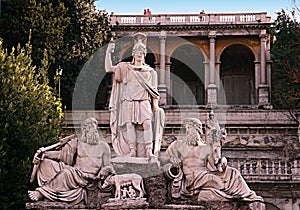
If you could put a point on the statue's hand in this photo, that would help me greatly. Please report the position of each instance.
(155, 105)
(89, 176)
(38, 156)
(110, 47)
(175, 161)
(222, 164)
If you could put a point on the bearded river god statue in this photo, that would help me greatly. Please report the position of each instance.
(200, 172)
(66, 170)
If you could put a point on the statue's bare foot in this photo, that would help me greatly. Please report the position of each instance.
(35, 195)
(132, 153)
(253, 197)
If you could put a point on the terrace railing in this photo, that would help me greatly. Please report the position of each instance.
(191, 19)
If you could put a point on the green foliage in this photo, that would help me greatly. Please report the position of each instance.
(47, 22)
(88, 30)
(44, 20)
(30, 115)
(12, 22)
(70, 30)
(286, 57)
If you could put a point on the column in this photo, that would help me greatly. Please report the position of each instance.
(263, 88)
(263, 41)
(217, 74)
(162, 88)
(168, 82)
(212, 88)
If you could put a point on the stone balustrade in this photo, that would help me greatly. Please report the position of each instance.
(191, 19)
(267, 170)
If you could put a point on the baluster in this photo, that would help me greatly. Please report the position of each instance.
(244, 166)
(273, 167)
(258, 167)
(279, 167)
(254, 167)
(250, 167)
(245, 163)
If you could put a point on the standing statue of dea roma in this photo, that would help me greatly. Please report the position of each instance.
(136, 119)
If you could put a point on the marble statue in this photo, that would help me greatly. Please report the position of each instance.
(213, 130)
(136, 119)
(201, 172)
(68, 169)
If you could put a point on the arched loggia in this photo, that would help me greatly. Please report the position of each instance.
(237, 74)
(187, 76)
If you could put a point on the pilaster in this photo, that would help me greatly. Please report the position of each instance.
(263, 88)
(212, 87)
(162, 88)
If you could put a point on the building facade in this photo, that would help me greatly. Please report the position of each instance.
(221, 58)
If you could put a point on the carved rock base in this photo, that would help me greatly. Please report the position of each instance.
(126, 204)
(143, 204)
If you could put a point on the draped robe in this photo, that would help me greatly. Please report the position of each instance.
(130, 102)
(198, 180)
(66, 179)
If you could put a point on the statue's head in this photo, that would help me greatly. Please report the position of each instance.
(140, 40)
(194, 131)
(193, 122)
(211, 114)
(89, 132)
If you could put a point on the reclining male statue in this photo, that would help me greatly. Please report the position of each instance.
(65, 174)
(202, 173)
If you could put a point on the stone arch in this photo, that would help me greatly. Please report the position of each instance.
(187, 75)
(237, 76)
(245, 44)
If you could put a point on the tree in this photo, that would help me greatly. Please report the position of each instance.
(70, 30)
(12, 22)
(30, 114)
(45, 20)
(286, 57)
(88, 30)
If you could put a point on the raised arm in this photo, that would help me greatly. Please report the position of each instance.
(108, 63)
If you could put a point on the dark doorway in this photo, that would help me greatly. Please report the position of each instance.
(187, 76)
(237, 76)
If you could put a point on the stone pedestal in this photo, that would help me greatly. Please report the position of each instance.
(263, 95)
(211, 94)
(162, 89)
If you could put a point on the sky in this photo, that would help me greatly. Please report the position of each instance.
(134, 7)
